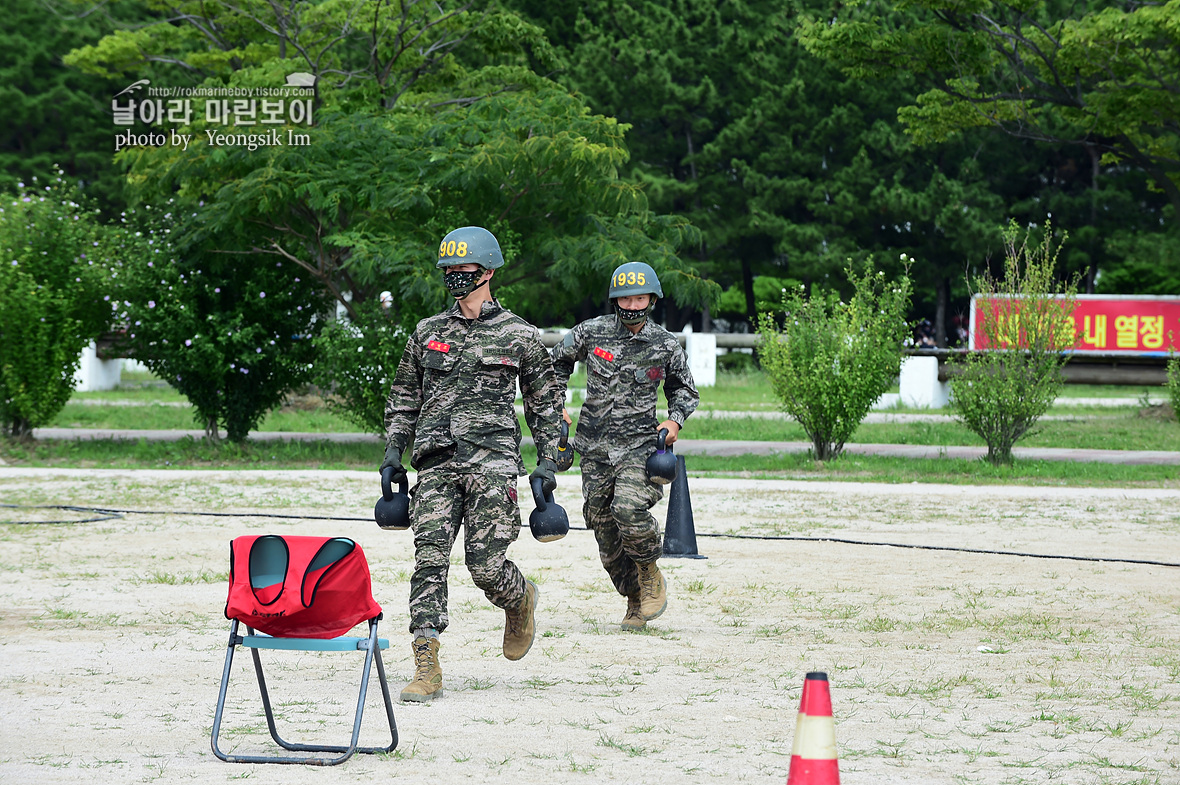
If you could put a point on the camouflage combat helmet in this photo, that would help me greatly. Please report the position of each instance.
(470, 245)
(634, 278)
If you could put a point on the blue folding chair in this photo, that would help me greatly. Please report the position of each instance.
(272, 581)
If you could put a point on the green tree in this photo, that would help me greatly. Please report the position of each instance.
(233, 334)
(1096, 74)
(677, 73)
(830, 360)
(54, 115)
(55, 297)
(356, 359)
(1000, 393)
(409, 142)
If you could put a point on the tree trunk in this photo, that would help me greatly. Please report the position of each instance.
(748, 286)
(944, 298)
(1092, 269)
(22, 429)
(673, 316)
(212, 435)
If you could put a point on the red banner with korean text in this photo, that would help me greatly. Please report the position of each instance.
(1116, 324)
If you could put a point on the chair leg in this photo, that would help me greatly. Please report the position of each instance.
(372, 653)
(229, 659)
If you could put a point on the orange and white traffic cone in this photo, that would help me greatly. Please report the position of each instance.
(813, 756)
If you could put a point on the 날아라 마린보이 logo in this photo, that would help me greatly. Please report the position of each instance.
(250, 117)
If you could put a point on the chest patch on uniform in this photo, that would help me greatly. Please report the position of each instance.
(655, 373)
(603, 353)
(438, 346)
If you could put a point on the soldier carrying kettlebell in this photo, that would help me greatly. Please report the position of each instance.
(627, 358)
(453, 394)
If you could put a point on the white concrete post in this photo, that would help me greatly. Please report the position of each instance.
(920, 388)
(95, 374)
(701, 349)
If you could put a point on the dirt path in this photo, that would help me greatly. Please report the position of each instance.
(945, 666)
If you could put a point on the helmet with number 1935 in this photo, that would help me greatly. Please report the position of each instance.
(634, 278)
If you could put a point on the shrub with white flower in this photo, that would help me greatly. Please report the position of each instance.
(55, 298)
(229, 331)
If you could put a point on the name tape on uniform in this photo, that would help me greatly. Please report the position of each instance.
(603, 353)
(438, 346)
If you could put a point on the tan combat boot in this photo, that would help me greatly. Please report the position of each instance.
(519, 625)
(634, 620)
(653, 591)
(427, 683)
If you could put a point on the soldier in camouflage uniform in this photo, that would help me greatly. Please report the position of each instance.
(627, 357)
(453, 395)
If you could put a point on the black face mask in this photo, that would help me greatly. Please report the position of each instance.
(461, 284)
(633, 317)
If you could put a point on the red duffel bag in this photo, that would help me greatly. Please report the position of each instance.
(299, 587)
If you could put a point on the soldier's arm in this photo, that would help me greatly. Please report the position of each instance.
(679, 387)
(405, 396)
(542, 396)
(572, 349)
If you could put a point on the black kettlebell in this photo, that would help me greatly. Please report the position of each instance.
(392, 510)
(661, 464)
(548, 522)
(565, 456)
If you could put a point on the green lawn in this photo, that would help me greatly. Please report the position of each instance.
(1088, 427)
(173, 418)
(1129, 428)
(1117, 430)
(196, 454)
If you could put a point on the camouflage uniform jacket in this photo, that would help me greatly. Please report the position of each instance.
(456, 385)
(623, 375)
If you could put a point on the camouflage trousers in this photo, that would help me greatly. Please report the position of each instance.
(486, 505)
(617, 500)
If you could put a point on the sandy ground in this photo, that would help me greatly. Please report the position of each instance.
(946, 667)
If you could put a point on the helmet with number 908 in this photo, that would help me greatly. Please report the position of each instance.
(470, 245)
(634, 278)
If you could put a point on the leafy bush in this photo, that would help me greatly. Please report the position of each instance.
(768, 294)
(55, 298)
(232, 333)
(736, 362)
(831, 360)
(356, 361)
(1001, 392)
(1174, 384)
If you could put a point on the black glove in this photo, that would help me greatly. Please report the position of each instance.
(393, 457)
(545, 470)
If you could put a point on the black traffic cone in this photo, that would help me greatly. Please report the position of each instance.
(680, 534)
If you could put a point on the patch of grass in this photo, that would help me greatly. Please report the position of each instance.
(191, 453)
(155, 416)
(632, 750)
(1120, 430)
(178, 579)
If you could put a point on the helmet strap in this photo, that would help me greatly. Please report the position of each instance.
(633, 318)
(461, 284)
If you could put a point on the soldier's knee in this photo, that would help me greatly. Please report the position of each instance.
(431, 556)
(487, 575)
(596, 513)
(628, 512)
